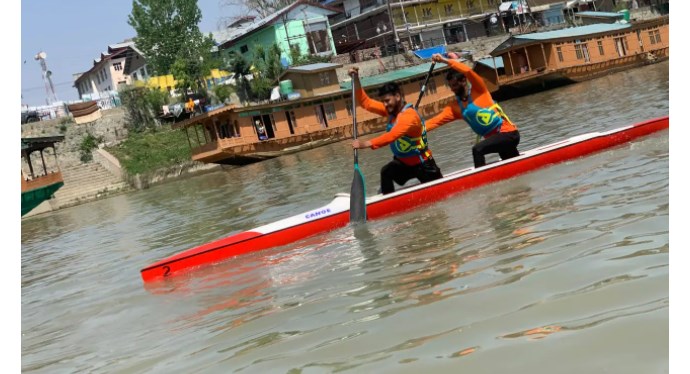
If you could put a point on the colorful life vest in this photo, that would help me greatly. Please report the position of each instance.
(406, 146)
(482, 120)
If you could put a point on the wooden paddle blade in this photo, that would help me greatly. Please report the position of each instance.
(358, 206)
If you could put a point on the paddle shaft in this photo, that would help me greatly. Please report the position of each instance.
(354, 117)
(358, 208)
(421, 92)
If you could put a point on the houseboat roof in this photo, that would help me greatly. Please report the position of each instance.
(551, 36)
(391, 76)
(599, 14)
(313, 68)
(32, 144)
(489, 61)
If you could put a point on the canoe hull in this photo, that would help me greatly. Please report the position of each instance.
(336, 214)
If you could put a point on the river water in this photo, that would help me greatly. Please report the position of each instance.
(562, 270)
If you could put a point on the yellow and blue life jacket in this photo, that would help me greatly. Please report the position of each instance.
(481, 120)
(406, 146)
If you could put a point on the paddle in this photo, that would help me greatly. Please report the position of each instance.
(358, 207)
(421, 92)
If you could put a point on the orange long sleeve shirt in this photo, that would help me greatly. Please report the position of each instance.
(480, 96)
(406, 123)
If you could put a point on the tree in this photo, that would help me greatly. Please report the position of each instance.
(240, 69)
(169, 37)
(263, 8)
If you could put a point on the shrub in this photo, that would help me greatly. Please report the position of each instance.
(88, 144)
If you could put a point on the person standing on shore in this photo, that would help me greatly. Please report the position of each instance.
(475, 105)
(405, 133)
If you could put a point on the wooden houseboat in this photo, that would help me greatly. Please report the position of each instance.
(320, 112)
(39, 185)
(532, 62)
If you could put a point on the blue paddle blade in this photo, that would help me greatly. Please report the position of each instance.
(358, 207)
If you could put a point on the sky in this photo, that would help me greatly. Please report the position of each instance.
(74, 32)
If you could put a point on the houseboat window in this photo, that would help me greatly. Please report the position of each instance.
(601, 47)
(348, 106)
(324, 78)
(244, 49)
(621, 46)
(319, 112)
(292, 118)
(330, 110)
(578, 51)
(223, 130)
(585, 51)
(560, 54)
(654, 37)
(237, 128)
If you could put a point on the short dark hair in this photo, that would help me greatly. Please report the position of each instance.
(454, 74)
(390, 88)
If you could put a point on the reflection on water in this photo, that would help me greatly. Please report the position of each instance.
(572, 259)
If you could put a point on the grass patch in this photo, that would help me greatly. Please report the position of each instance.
(147, 151)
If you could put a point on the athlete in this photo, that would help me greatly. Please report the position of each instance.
(484, 116)
(405, 133)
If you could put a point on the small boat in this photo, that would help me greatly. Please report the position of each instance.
(336, 213)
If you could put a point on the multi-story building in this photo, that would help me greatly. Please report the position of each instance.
(415, 23)
(123, 63)
(303, 24)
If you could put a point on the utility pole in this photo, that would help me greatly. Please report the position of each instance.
(395, 32)
(407, 25)
(50, 89)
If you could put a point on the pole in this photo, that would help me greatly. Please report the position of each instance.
(395, 32)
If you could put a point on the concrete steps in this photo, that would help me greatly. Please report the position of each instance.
(86, 182)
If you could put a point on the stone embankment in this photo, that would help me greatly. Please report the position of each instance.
(102, 176)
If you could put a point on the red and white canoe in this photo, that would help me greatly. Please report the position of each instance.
(336, 214)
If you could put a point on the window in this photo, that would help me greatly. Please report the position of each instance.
(291, 117)
(348, 106)
(601, 47)
(325, 78)
(237, 128)
(655, 36)
(560, 54)
(621, 46)
(244, 49)
(448, 8)
(330, 110)
(578, 51)
(142, 72)
(134, 76)
(117, 66)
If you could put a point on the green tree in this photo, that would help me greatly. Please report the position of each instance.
(240, 69)
(267, 69)
(169, 37)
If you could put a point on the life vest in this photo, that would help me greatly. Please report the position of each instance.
(406, 146)
(482, 120)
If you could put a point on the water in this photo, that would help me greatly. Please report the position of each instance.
(563, 270)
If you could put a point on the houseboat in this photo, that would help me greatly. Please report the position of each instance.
(318, 111)
(532, 62)
(39, 185)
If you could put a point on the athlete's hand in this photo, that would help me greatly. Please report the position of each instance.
(358, 144)
(437, 57)
(354, 71)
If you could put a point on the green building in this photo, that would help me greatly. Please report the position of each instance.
(302, 24)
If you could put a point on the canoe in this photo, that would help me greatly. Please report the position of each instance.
(336, 214)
